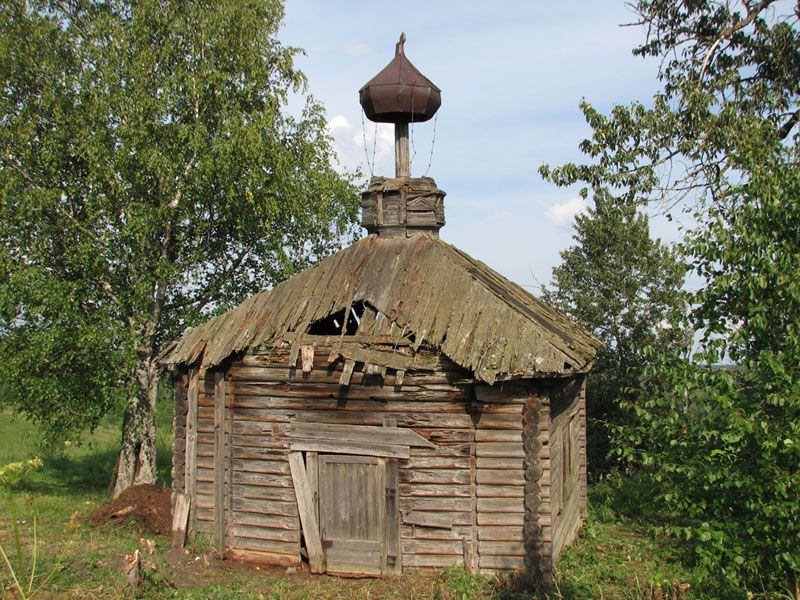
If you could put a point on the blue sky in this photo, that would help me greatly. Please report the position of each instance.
(512, 75)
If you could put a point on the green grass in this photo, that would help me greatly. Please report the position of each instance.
(617, 557)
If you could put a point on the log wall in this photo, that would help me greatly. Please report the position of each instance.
(181, 382)
(567, 462)
(481, 495)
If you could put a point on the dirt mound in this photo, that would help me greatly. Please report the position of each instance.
(148, 505)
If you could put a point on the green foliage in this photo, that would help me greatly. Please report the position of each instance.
(150, 175)
(719, 447)
(23, 573)
(460, 584)
(625, 288)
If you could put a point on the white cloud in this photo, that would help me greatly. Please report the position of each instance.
(356, 49)
(339, 122)
(562, 213)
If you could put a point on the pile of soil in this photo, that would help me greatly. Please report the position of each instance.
(148, 505)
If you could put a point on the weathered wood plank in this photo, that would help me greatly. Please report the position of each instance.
(510, 563)
(500, 463)
(191, 445)
(429, 519)
(439, 476)
(266, 558)
(437, 561)
(499, 450)
(266, 521)
(428, 504)
(498, 435)
(179, 520)
(501, 548)
(436, 462)
(219, 461)
(266, 533)
(262, 479)
(276, 467)
(430, 489)
(500, 505)
(265, 507)
(283, 494)
(354, 433)
(392, 516)
(501, 534)
(501, 518)
(365, 449)
(308, 518)
(417, 547)
(500, 491)
(501, 476)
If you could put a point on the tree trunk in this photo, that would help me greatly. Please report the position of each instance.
(136, 463)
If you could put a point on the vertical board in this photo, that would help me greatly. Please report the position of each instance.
(392, 517)
(219, 461)
(308, 520)
(191, 449)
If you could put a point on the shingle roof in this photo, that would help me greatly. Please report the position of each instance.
(451, 302)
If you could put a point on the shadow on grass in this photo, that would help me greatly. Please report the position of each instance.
(88, 469)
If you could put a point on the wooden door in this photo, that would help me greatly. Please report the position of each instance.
(352, 513)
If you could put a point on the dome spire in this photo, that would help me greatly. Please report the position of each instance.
(400, 94)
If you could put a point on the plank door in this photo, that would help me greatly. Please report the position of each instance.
(352, 513)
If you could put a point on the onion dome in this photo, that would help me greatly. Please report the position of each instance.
(400, 93)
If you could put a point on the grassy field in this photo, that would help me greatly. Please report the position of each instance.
(614, 559)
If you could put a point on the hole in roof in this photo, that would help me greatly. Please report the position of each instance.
(333, 323)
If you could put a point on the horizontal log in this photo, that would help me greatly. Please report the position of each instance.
(426, 504)
(509, 563)
(251, 405)
(416, 532)
(484, 462)
(284, 494)
(264, 533)
(324, 372)
(398, 436)
(277, 467)
(366, 449)
(515, 519)
(499, 449)
(441, 437)
(452, 547)
(263, 479)
(498, 435)
(500, 476)
(506, 409)
(500, 534)
(501, 548)
(266, 521)
(264, 545)
(264, 507)
(258, 453)
(265, 442)
(440, 520)
(499, 421)
(414, 420)
(441, 491)
(355, 392)
(265, 558)
(500, 491)
(500, 505)
(435, 462)
(432, 561)
(440, 476)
